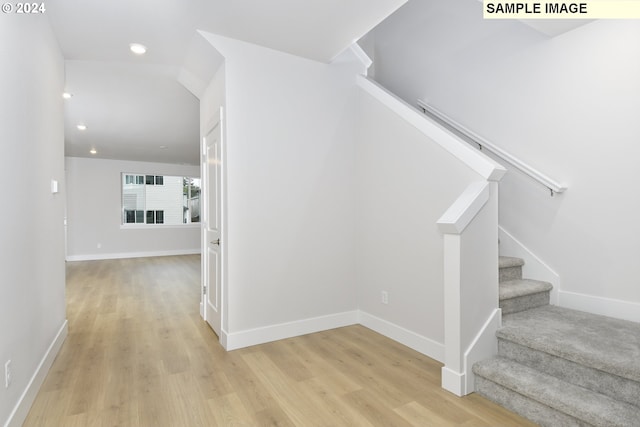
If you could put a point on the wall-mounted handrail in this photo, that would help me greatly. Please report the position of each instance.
(552, 185)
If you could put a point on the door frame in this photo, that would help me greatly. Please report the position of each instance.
(215, 120)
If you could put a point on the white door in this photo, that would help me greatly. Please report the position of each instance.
(212, 228)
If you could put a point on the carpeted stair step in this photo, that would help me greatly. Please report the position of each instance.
(510, 268)
(595, 352)
(547, 400)
(523, 294)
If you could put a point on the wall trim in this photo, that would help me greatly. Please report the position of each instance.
(419, 343)
(249, 337)
(452, 381)
(618, 309)
(95, 257)
(484, 346)
(21, 410)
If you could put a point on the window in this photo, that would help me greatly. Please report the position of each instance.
(134, 179)
(155, 217)
(134, 217)
(153, 179)
(191, 200)
(160, 199)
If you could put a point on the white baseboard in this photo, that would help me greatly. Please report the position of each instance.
(452, 381)
(224, 339)
(95, 257)
(598, 305)
(426, 346)
(534, 267)
(419, 343)
(247, 338)
(21, 410)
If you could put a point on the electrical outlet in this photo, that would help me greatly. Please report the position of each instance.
(384, 297)
(7, 374)
(99, 245)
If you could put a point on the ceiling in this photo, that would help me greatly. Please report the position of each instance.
(139, 107)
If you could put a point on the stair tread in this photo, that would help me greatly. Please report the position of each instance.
(522, 287)
(599, 342)
(508, 261)
(586, 405)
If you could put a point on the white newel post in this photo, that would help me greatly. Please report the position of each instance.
(470, 228)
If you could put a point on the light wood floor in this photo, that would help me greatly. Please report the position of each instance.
(138, 354)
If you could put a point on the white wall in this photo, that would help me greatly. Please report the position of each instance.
(32, 277)
(405, 182)
(566, 105)
(94, 212)
(290, 185)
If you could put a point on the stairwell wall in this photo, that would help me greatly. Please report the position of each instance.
(567, 105)
(399, 249)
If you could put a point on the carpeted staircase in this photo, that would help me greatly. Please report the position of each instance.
(560, 367)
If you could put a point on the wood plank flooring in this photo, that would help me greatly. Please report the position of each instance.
(138, 354)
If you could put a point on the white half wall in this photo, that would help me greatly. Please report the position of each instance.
(94, 212)
(289, 185)
(566, 105)
(405, 182)
(32, 274)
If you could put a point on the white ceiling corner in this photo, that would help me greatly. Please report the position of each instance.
(555, 27)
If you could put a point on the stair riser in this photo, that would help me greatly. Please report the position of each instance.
(524, 406)
(515, 305)
(510, 273)
(593, 379)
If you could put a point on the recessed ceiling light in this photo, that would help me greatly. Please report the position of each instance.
(163, 147)
(93, 151)
(82, 127)
(137, 48)
(67, 95)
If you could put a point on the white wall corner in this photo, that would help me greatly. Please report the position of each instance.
(484, 346)
(453, 381)
(361, 55)
(534, 267)
(192, 83)
(21, 410)
(419, 343)
(224, 340)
